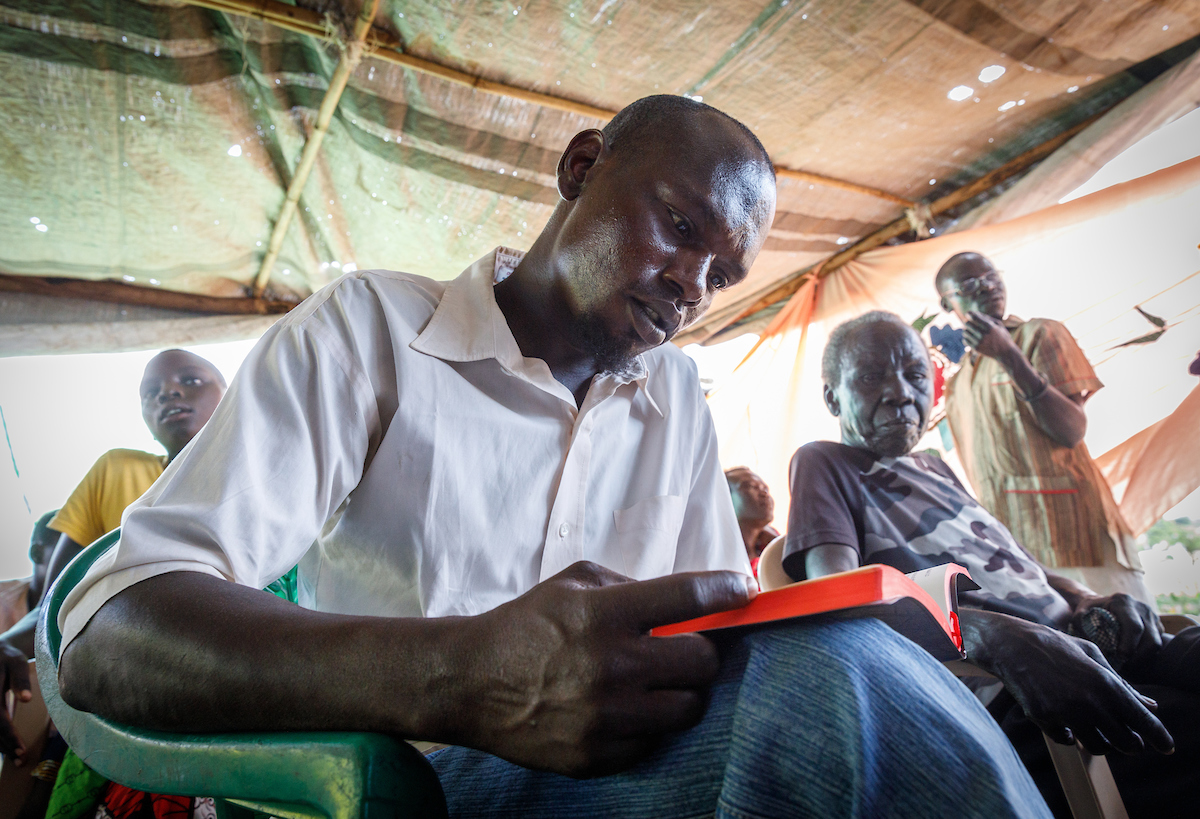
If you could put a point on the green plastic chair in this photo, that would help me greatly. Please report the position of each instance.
(292, 775)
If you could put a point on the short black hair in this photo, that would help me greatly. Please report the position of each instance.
(633, 124)
(946, 272)
(198, 360)
(831, 359)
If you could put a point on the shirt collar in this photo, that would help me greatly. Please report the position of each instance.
(469, 326)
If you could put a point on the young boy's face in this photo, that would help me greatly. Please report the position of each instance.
(179, 392)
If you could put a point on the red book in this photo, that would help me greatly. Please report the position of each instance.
(923, 606)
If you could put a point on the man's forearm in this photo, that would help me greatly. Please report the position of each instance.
(563, 678)
(21, 634)
(189, 652)
(1058, 416)
(1074, 593)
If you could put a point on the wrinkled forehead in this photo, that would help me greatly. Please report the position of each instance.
(971, 268)
(884, 343)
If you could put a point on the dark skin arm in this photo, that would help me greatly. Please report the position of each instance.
(1060, 416)
(16, 647)
(564, 678)
(64, 552)
(1064, 684)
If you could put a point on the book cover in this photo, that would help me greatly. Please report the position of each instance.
(923, 606)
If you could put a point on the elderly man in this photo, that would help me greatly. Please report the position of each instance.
(868, 500)
(1015, 408)
(508, 479)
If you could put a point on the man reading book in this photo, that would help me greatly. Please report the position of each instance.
(868, 499)
(495, 486)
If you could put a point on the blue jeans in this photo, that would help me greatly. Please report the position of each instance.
(819, 718)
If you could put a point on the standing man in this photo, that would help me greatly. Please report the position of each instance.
(1015, 408)
(495, 487)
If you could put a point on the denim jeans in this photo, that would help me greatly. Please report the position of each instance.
(811, 719)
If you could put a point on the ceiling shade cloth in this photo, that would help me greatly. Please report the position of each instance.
(1087, 262)
(153, 142)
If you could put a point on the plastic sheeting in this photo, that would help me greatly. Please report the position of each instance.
(153, 141)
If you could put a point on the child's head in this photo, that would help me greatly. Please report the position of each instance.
(179, 392)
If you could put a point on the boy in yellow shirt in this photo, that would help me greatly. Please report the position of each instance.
(179, 391)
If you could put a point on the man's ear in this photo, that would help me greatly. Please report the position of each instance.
(579, 157)
(831, 401)
(946, 305)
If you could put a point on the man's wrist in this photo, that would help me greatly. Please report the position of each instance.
(1031, 384)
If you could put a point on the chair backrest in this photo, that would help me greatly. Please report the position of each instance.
(770, 566)
(302, 774)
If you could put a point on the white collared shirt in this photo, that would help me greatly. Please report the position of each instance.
(389, 437)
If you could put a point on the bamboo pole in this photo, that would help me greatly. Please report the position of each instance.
(833, 182)
(788, 287)
(352, 55)
(115, 292)
(386, 47)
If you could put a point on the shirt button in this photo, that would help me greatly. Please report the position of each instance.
(563, 530)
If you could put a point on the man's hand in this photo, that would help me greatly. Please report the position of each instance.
(1141, 630)
(567, 679)
(1064, 684)
(987, 336)
(1060, 416)
(14, 676)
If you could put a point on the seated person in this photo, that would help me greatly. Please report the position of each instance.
(868, 500)
(495, 486)
(179, 391)
(755, 509)
(19, 597)
(13, 661)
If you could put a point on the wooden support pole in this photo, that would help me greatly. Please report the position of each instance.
(788, 287)
(832, 182)
(386, 47)
(352, 55)
(114, 292)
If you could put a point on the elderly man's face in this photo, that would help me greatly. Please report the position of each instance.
(885, 392)
(975, 284)
(656, 232)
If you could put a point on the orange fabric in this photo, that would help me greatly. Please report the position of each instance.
(1167, 468)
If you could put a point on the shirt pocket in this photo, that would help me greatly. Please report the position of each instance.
(648, 534)
(1044, 516)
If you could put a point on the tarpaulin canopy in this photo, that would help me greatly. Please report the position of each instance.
(152, 143)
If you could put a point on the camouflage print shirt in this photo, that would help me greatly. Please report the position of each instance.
(912, 513)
